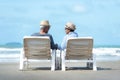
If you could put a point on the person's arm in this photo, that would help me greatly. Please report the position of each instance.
(53, 46)
(64, 43)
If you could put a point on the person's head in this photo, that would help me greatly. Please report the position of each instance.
(44, 26)
(69, 27)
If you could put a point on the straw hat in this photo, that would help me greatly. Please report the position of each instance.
(70, 25)
(44, 23)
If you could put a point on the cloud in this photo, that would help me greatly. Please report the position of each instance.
(79, 8)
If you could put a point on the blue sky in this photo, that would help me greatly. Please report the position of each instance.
(97, 18)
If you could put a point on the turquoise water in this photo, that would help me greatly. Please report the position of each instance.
(106, 46)
(12, 45)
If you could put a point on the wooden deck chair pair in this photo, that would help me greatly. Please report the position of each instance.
(36, 48)
(79, 50)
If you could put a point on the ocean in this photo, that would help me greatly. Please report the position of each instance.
(103, 53)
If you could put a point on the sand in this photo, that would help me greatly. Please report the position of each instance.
(109, 70)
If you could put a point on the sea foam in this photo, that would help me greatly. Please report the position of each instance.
(13, 54)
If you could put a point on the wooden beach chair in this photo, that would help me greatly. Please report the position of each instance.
(36, 48)
(79, 50)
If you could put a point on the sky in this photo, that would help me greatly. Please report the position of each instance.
(99, 19)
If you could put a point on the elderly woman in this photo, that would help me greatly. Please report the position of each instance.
(69, 30)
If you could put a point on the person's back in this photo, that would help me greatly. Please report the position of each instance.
(69, 29)
(44, 28)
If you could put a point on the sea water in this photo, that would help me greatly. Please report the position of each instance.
(102, 54)
(10, 54)
(107, 54)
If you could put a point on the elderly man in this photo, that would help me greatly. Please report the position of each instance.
(69, 29)
(44, 28)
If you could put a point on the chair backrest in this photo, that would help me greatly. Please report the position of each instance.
(36, 47)
(79, 48)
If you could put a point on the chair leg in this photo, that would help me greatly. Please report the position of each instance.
(89, 65)
(63, 61)
(94, 63)
(94, 67)
(60, 60)
(53, 61)
(57, 59)
(26, 63)
(21, 67)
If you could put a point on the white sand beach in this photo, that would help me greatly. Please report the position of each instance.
(107, 70)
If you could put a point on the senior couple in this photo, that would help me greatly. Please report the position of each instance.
(69, 29)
